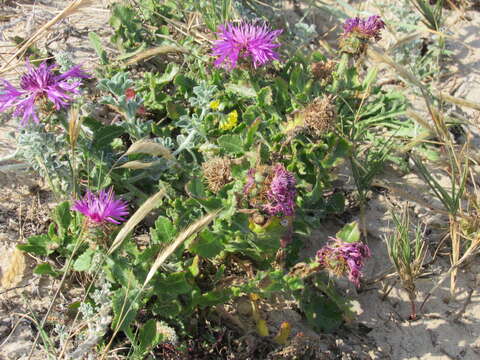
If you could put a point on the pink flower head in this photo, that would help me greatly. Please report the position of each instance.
(281, 194)
(368, 28)
(37, 83)
(245, 40)
(102, 207)
(341, 257)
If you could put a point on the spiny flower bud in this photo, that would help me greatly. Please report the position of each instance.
(217, 173)
(357, 32)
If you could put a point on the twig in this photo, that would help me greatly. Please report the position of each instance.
(468, 300)
(14, 288)
(70, 9)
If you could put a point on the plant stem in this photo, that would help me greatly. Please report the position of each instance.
(67, 268)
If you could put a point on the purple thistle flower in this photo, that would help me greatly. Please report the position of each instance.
(102, 207)
(245, 40)
(341, 257)
(369, 28)
(39, 83)
(281, 194)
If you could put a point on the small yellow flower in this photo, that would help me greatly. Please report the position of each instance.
(214, 105)
(230, 122)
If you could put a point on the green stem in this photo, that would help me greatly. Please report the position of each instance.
(339, 78)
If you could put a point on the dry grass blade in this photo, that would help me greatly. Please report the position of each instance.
(15, 270)
(403, 41)
(420, 120)
(69, 10)
(149, 53)
(74, 124)
(139, 215)
(137, 165)
(472, 251)
(184, 235)
(149, 147)
(382, 58)
(458, 101)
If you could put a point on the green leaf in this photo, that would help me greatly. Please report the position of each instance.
(121, 271)
(39, 245)
(195, 188)
(45, 269)
(125, 305)
(84, 261)
(194, 269)
(350, 233)
(212, 298)
(173, 284)
(175, 110)
(370, 78)
(231, 144)
(321, 312)
(62, 217)
(183, 83)
(252, 131)
(164, 230)
(207, 245)
(97, 46)
(242, 90)
(264, 97)
(336, 203)
(148, 337)
(104, 136)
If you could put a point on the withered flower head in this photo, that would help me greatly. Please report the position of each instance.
(217, 173)
(271, 189)
(319, 116)
(322, 70)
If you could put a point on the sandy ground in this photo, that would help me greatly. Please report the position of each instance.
(445, 330)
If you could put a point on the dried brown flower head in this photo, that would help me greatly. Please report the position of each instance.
(217, 173)
(322, 70)
(319, 116)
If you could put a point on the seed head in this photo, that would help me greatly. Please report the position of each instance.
(217, 173)
(319, 116)
(322, 70)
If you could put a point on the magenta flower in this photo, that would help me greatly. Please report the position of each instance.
(102, 207)
(281, 195)
(368, 28)
(36, 84)
(342, 257)
(245, 40)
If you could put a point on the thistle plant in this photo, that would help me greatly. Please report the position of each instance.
(271, 189)
(245, 41)
(407, 255)
(37, 85)
(102, 207)
(344, 258)
(357, 32)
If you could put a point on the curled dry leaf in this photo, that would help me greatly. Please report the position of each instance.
(14, 272)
